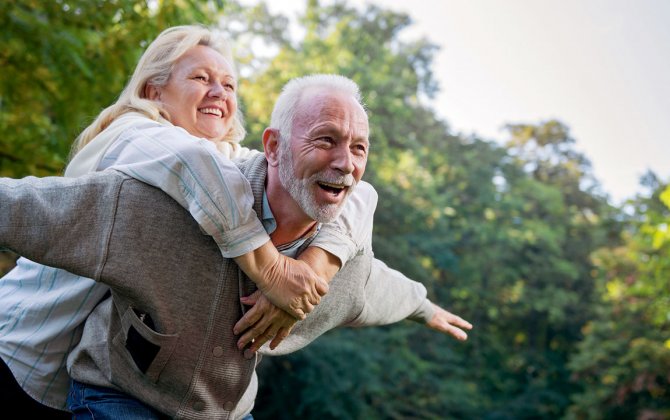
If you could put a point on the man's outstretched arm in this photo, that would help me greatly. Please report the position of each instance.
(391, 297)
(60, 222)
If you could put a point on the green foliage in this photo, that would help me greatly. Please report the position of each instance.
(624, 359)
(333, 378)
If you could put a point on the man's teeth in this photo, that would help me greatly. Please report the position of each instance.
(329, 185)
(213, 111)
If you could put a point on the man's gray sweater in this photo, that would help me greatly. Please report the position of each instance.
(165, 335)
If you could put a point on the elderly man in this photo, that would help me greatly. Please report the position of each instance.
(166, 336)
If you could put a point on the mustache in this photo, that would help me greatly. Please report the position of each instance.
(330, 177)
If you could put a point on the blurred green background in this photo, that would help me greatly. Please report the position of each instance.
(569, 295)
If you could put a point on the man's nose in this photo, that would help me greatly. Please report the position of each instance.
(343, 159)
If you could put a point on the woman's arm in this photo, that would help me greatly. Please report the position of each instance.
(201, 179)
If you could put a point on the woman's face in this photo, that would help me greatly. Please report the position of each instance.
(200, 95)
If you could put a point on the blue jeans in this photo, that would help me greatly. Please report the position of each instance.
(100, 403)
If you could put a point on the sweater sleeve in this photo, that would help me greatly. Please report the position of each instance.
(60, 222)
(198, 176)
(391, 297)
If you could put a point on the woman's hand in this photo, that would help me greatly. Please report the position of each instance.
(262, 323)
(290, 284)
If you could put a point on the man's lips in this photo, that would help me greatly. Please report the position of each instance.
(334, 189)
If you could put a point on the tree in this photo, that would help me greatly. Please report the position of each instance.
(624, 359)
(549, 219)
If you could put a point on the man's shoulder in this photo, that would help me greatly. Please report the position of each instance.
(253, 166)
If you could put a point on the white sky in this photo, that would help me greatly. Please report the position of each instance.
(600, 66)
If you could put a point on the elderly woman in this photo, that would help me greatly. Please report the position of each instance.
(174, 126)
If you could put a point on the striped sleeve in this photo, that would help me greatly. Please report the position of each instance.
(198, 176)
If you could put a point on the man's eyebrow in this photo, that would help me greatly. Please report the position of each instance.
(324, 128)
(365, 141)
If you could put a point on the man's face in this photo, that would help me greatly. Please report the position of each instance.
(326, 154)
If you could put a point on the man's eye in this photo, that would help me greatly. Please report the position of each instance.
(361, 150)
(203, 78)
(325, 140)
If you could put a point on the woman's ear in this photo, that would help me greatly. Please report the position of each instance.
(271, 145)
(152, 92)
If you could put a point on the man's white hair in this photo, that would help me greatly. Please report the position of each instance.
(285, 107)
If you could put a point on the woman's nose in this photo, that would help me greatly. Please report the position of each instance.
(216, 90)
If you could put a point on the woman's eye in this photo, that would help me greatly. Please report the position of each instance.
(203, 78)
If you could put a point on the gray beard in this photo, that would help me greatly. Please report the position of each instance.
(300, 191)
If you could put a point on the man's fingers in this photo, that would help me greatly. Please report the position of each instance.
(251, 299)
(444, 326)
(457, 333)
(458, 321)
(261, 339)
(448, 323)
(279, 337)
(250, 318)
(255, 334)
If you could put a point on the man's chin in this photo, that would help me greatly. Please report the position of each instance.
(325, 213)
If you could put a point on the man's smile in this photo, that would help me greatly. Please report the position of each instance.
(334, 189)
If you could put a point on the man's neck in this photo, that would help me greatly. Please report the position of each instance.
(292, 222)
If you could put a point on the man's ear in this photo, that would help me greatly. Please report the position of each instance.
(271, 146)
(152, 92)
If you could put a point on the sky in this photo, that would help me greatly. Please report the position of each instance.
(602, 67)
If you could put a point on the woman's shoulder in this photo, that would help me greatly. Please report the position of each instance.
(137, 120)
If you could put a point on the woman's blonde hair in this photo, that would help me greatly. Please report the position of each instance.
(154, 68)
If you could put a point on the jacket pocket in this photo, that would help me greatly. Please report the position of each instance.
(142, 347)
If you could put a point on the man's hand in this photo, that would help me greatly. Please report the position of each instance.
(290, 284)
(449, 323)
(263, 322)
